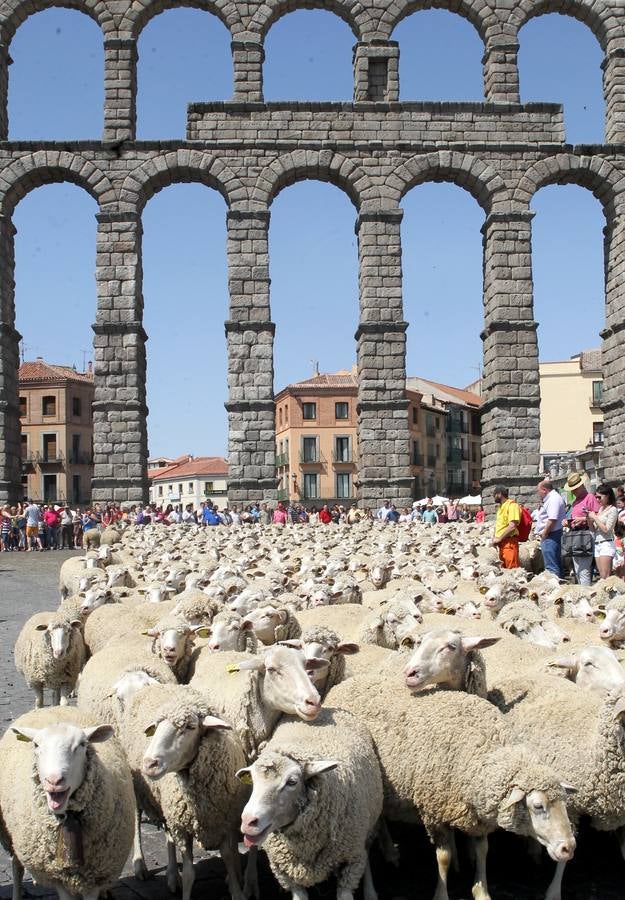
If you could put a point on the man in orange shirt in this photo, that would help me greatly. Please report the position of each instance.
(506, 537)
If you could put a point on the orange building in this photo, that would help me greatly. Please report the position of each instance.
(57, 432)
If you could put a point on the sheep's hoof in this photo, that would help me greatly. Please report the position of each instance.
(173, 882)
(141, 870)
(479, 892)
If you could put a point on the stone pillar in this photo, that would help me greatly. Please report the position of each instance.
(247, 59)
(10, 447)
(250, 332)
(120, 444)
(501, 71)
(5, 62)
(613, 67)
(376, 71)
(120, 90)
(510, 384)
(383, 435)
(613, 354)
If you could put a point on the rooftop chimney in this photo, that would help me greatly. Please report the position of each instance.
(89, 368)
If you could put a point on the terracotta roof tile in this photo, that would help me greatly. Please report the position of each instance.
(201, 465)
(43, 371)
(341, 379)
(445, 391)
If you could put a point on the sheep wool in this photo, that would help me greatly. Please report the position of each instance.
(331, 834)
(319, 634)
(33, 653)
(104, 803)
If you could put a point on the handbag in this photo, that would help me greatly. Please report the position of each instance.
(578, 543)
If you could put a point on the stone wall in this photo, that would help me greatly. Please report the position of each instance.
(376, 150)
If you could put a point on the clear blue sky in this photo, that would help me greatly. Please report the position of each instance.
(55, 92)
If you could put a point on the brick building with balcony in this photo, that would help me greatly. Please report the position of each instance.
(57, 432)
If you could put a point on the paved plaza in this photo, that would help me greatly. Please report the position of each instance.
(29, 584)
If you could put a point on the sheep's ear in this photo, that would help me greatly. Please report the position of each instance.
(570, 663)
(314, 662)
(202, 631)
(296, 643)
(149, 731)
(247, 625)
(392, 619)
(619, 708)
(283, 614)
(317, 766)
(254, 664)
(98, 734)
(245, 775)
(24, 734)
(347, 648)
(209, 722)
(515, 796)
(600, 614)
(568, 788)
(41, 627)
(478, 643)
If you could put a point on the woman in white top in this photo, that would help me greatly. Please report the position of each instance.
(603, 523)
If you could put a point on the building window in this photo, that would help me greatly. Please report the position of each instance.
(160, 490)
(180, 489)
(50, 453)
(430, 425)
(280, 416)
(77, 407)
(416, 456)
(343, 485)
(597, 432)
(23, 407)
(208, 487)
(48, 406)
(286, 415)
(311, 489)
(431, 455)
(309, 411)
(190, 491)
(76, 488)
(24, 446)
(342, 451)
(309, 450)
(415, 415)
(597, 392)
(341, 410)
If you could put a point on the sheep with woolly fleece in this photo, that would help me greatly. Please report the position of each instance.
(448, 760)
(252, 692)
(227, 632)
(393, 626)
(196, 607)
(320, 642)
(525, 620)
(578, 732)
(595, 668)
(75, 570)
(346, 619)
(272, 623)
(50, 652)
(111, 621)
(168, 730)
(57, 763)
(173, 641)
(612, 628)
(325, 824)
(571, 601)
(450, 660)
(531, 557)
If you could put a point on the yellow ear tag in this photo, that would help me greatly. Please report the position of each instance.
(245, 778)
(150, 730)
(22, 737)
(232, 667)
(203, 632)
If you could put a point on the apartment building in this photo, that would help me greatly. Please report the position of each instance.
(317, 442)
(189, 479)
(57, 432)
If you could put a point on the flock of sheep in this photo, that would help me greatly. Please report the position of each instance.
(303, 688)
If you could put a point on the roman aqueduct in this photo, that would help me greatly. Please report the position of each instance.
(375, 149)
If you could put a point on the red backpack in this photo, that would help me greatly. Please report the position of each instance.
(525, 524)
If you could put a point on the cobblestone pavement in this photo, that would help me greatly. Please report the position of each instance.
(29, 584)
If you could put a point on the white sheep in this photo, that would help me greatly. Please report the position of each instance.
(67, 802)
(316, 800)
(395, 625)
(50, 652)
(272, 623)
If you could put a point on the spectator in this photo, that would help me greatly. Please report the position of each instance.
(451, 509)
(618, 563)
(280, 515)
(430, 516)
(480, 515)
(393, 516)
(188, 516)
(548, 527)
(89, 521)
(67, 530)
(383, 511)
(313, 518)
(506, 536)
(33, 519)
(603, 523)
(325, 516)
(265, 517)
(582, 549)
(77, 527)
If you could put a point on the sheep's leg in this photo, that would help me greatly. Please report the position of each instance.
(480, 886)
(188, 872)
(63, 894)
(444, 855)
(231, 860)
(350, 877)
(298, 893)
(18, 875)
(91, 895)
(385, 842)
(138, 859)
(554, 891)
(172, 867)
(38, 690)
(368, 887)
(56, 696)
(250, 884)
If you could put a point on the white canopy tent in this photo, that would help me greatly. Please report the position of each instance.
(437, 501)
(471, 501)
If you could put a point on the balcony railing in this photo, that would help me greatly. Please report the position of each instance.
(282, 459)
(595, 402)
(308, 458)
(80, 459)
(344, 456)
(51, 457)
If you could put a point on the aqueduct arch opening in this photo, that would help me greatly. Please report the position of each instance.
(375, 149)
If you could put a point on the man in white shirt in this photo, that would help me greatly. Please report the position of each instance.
(548, 527)
(384, 510)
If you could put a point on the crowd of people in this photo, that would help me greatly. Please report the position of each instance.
(584, 536)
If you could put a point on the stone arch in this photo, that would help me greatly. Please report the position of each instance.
(314, 165)
(595, 15)
(350, 11)
(477, 177)
(19, 10)
(139, 15)
(50, 167)
(181, 166)
(470, 10)
(598, 175)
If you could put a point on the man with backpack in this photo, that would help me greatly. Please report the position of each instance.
(506, 537)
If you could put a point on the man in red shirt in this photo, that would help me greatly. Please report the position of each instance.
(325, 515)
(52, 519)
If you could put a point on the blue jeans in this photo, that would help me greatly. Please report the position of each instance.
(551, 550)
